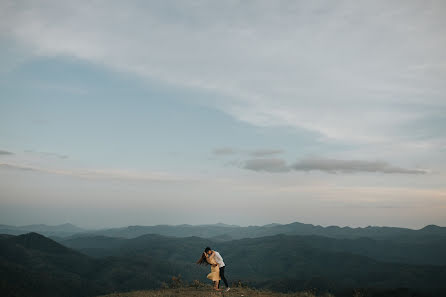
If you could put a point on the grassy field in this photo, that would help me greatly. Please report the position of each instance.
(209, 292)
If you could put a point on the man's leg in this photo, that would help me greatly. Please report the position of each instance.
(222, 275)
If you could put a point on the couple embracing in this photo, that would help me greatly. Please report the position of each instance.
(213, 258)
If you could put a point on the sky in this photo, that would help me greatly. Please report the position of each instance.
(116, 113)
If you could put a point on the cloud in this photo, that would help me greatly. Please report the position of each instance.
(347, 71)
(268, 165)
(16, 167)
(265, 152)
(48, 154)
(98, 173)
(327, 165)
(224, 151)
(347, 166)
(5, 153)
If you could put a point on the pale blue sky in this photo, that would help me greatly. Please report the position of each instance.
(139, 113)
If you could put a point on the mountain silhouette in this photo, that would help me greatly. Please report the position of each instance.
(88, 264)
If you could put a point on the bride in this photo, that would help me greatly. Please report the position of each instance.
(215, 270)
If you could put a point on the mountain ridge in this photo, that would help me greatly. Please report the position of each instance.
(280, 263)
(226, 232)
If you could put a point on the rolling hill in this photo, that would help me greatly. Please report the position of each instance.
(283, 262)
(224, 232)
(87, 265)
(231, 232)
(420, 252)
(33, 265)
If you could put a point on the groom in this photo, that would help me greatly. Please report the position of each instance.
(220, 263)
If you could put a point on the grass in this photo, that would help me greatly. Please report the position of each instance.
(207, 291)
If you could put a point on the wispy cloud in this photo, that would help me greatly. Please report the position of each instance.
(267, 69)
(327, 165)
(48, 154)
(268, 165)
(265, 152)
(334, 166)
(97, 173)
(5, 153)
(224, 151)
(17, 167)
(362, 78)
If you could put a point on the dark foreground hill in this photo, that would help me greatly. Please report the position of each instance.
(33, 265)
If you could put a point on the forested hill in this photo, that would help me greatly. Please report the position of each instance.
(416, 251)
(34, 265)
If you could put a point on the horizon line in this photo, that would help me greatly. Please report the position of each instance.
(215, 224)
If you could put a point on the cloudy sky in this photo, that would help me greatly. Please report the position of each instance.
(118, 113)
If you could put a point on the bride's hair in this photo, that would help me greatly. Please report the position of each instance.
(203, 260)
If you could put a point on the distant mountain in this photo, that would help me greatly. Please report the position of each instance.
(433, 229)
(186, 250)
(311, 252)
(33, 265)
(283, 262)
(419, 252)
(225, 232)
(220, 225)
(62, 230)
(204, 231)
(271, 225)
(230, 232)
(267, 261)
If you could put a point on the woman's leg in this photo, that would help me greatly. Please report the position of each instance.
(216, 283)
